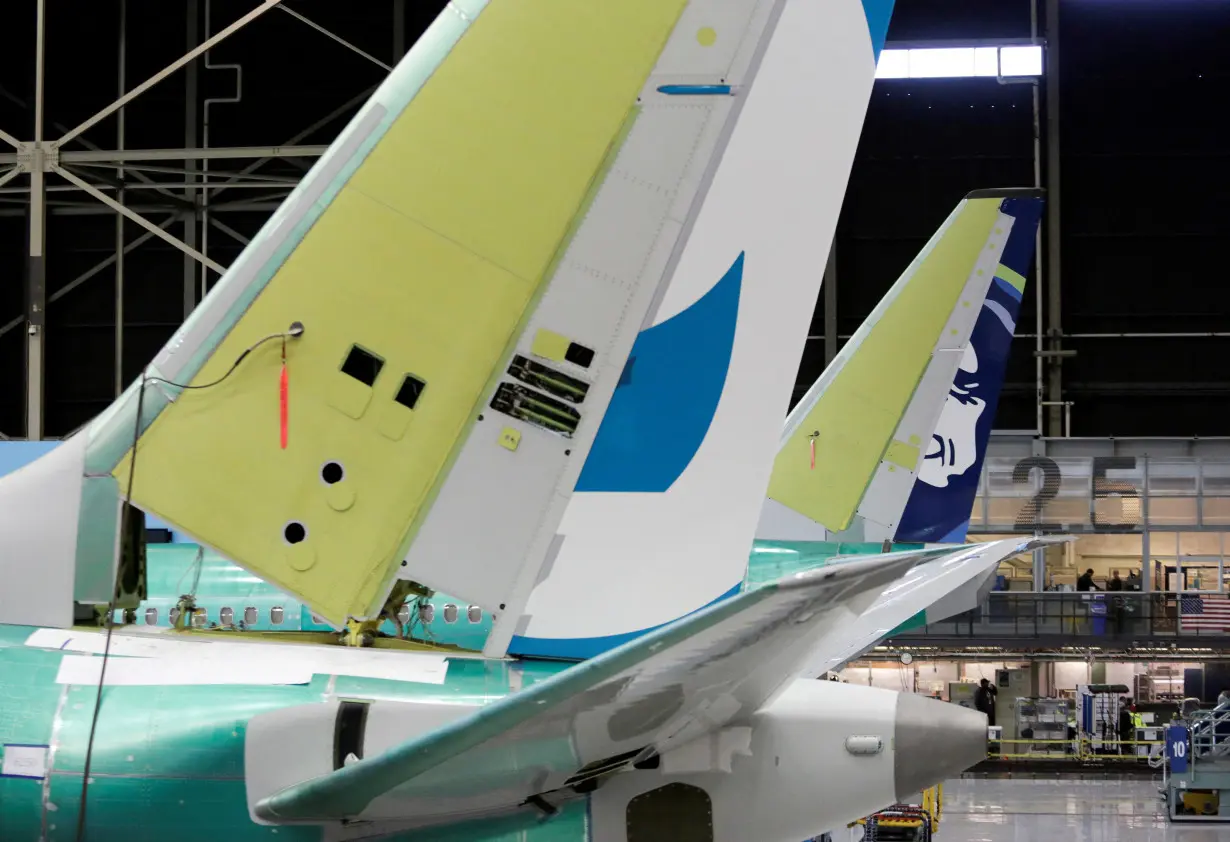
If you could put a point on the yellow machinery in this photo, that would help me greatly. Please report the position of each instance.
(912, 822)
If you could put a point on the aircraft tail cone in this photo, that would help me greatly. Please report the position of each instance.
(934, 741)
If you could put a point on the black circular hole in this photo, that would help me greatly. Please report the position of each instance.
(480, 418)
(294, 532)
(332, 472)
(501, 606)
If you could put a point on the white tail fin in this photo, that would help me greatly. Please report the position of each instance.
(668, 501)
(934, 348)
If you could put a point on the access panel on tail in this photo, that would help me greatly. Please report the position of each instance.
(852, 453)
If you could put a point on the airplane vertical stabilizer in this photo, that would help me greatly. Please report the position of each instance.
(943, 495)
(666, 505)
(410, 347)
(932, 354)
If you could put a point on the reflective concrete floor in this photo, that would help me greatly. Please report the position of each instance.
(1066, 810)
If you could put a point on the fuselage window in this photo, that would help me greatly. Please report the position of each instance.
(276, 615)
(174, 617)
(151, 616)
(250, 616)
(227, 617)
(200, 617)
(403, 613)
(475, 614)
(427, 614)
(450, 613)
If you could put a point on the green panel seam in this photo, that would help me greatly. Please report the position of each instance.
(98, 525)
(497, 372)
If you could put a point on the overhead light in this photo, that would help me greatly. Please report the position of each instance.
(1016, 61)
(1020, 61)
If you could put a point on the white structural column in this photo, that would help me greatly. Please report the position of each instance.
(36, 268)
(191, 139)
(830, 304)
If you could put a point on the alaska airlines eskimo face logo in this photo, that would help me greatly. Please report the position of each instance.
(954, 444)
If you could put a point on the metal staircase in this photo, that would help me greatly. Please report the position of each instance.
(1210, 733)
(1196, 770)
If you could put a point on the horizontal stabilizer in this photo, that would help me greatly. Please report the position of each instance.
(695, 676)
(925, 586)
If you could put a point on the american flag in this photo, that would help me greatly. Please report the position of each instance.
(1210, 612)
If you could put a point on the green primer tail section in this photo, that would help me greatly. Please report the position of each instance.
(874, 378)
(434, 224)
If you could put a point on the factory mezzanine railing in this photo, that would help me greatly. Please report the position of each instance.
(1095, 619)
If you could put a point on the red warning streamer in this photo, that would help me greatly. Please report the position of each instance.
(813, 454)
(284, 398)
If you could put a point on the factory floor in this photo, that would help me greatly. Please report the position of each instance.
(1063, 810)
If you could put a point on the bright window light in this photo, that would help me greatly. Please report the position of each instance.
(1020, 61)
(893, 64)
(941, 63)
(986, 61)
(960, 62)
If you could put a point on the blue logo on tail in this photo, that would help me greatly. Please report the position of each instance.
(939, 506)
(667, 395)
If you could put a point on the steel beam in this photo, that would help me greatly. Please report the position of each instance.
(339, 39)
(9, 175)
(91, 272)
(321, 123)
(11, 141)
(258, 205)
(115, 155)
(399, 30)
(136, 168)
(36, 268)
(830, 305)
(191, 139)
(111, 156)
(169, 69)
(1054, 203)
(229, 231)
(137, 218)
(121, 124)
(1039, 255)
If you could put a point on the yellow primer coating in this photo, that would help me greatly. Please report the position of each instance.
(550, 345)
(902, 455)
(431, 257)
(878, 381)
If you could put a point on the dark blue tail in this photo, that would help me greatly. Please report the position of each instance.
(939, 507)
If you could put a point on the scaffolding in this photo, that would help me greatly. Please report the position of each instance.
(172, 194)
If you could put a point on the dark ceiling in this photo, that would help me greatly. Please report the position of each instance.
(1145, 182)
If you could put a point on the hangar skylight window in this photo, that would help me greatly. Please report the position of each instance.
(1015, 61)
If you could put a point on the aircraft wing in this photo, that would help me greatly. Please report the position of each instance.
(695, 676)
(919, 592)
